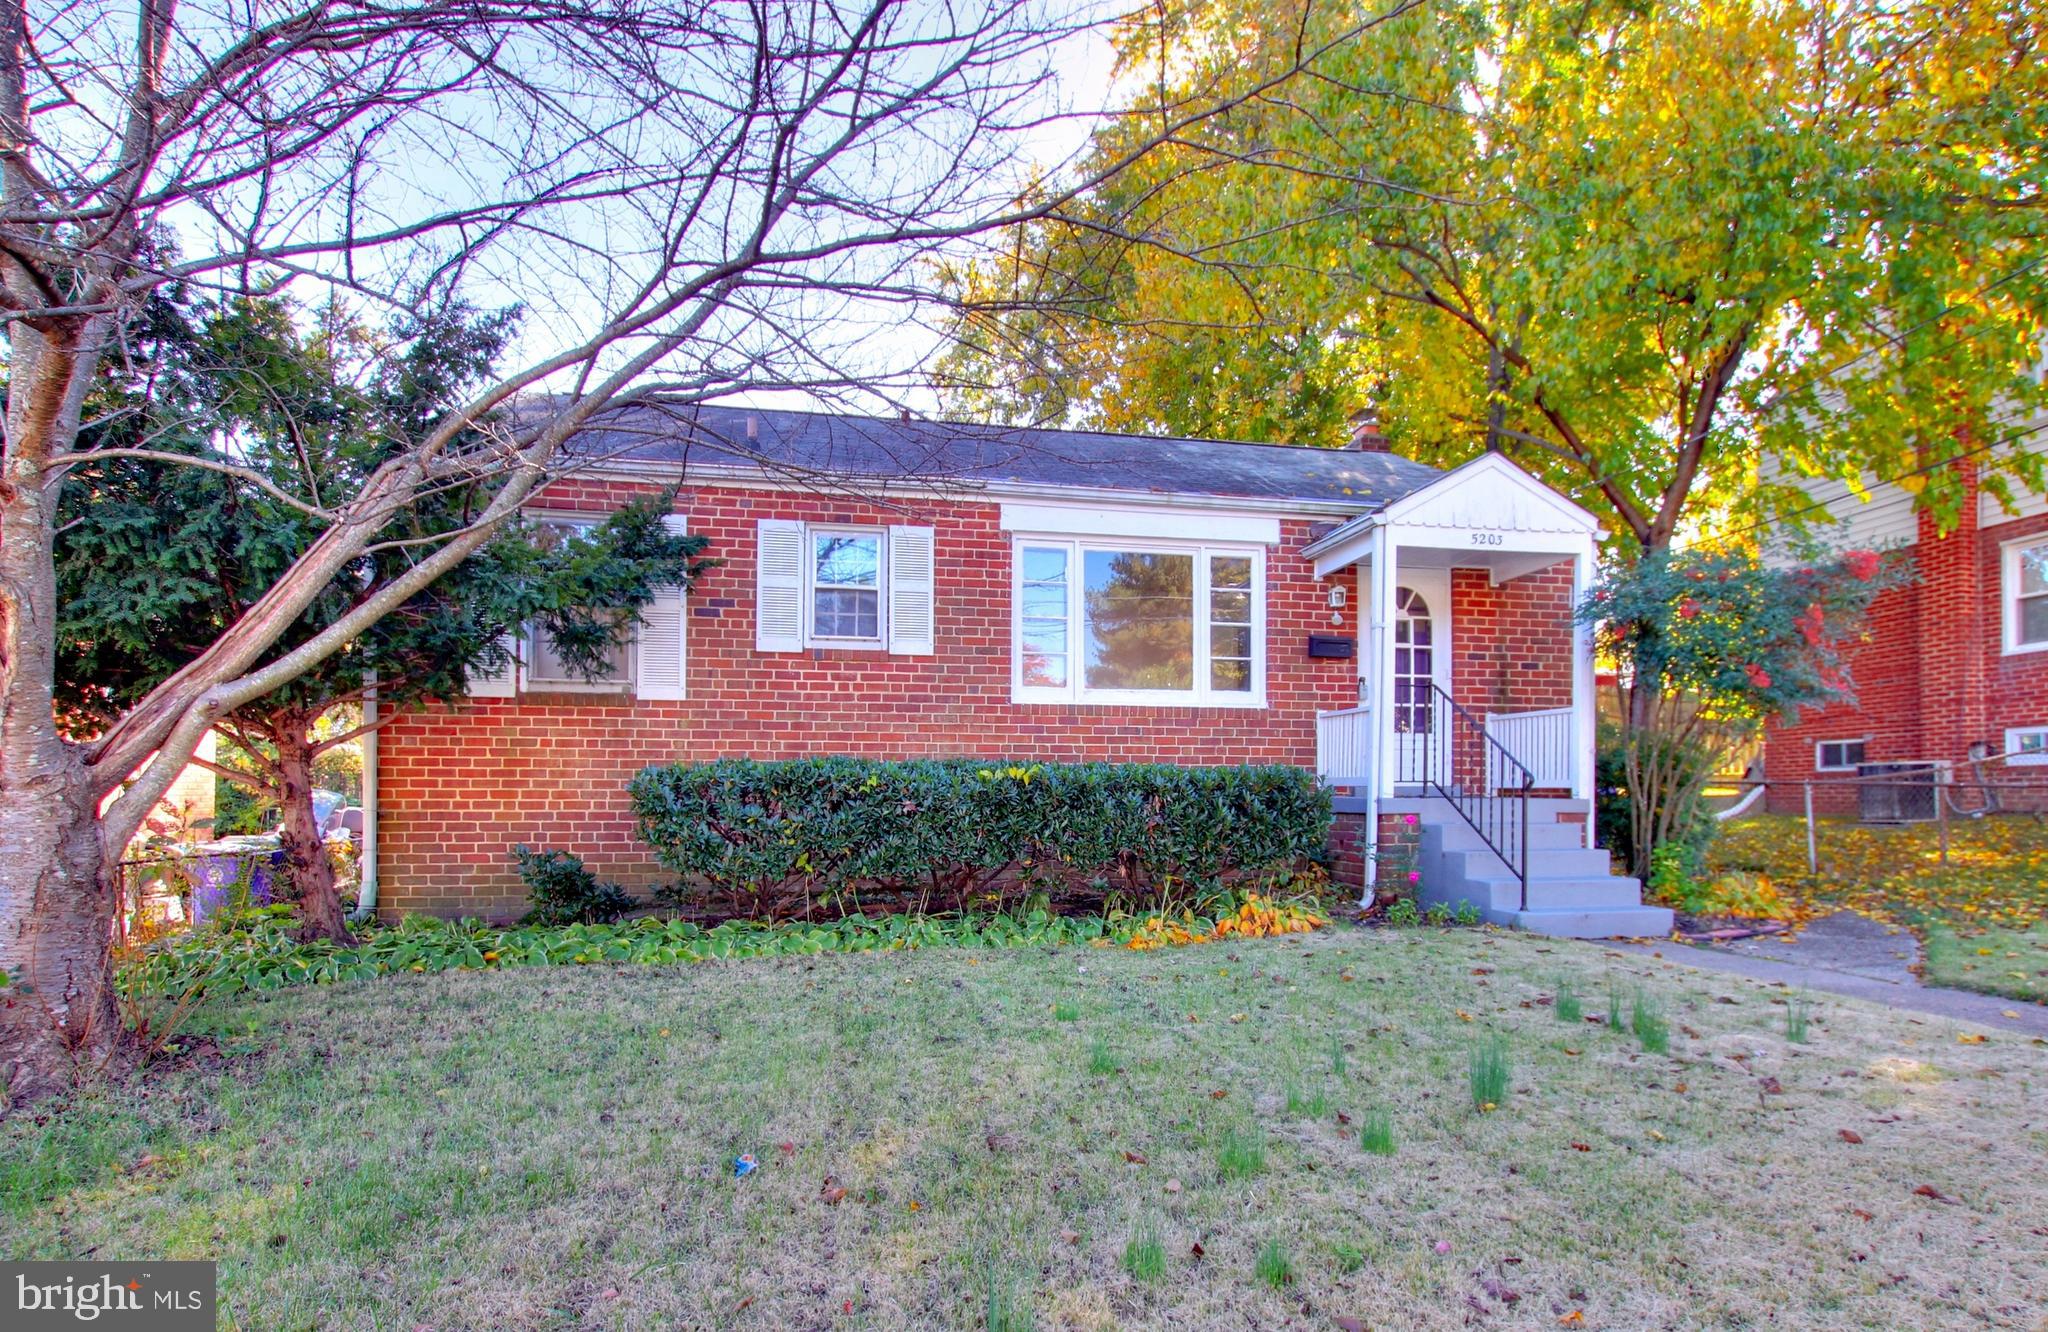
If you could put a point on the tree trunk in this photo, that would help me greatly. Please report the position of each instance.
(307, 865)
(57, 900)
(57, 870)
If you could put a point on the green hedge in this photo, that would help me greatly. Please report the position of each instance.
(771, 835)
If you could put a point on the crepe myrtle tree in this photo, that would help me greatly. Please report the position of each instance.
(153, 555)
(1708, 645)
(689, 200)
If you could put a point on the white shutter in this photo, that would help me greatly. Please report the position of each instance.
(911, 601)
(502, 683)
(660, 669)
(779, 586)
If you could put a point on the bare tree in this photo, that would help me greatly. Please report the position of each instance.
(686, 197)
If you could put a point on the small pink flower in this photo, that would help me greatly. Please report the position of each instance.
(1413, 820)
(1414, 876)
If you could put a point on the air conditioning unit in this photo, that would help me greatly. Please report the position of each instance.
(1902, 791)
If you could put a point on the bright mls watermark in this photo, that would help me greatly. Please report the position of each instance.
(145, 1297)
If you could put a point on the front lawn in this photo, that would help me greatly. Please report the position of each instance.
(1981, 915)
(1066, 1138)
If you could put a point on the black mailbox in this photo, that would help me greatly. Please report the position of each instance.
(1331, 645)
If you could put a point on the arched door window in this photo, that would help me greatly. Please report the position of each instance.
(1414, 663)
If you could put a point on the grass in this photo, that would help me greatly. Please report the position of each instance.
(1567, 1007)
(1994, 960)
(1488, 1074)
(1145, 1257)
(1101, 1058)
(552, 1149)
(1646, 1019)
(1798, 1019)
(1311, 1104)
(1272, 1265)
(1980, 915)
(1376, 1135)
(1241, 1153)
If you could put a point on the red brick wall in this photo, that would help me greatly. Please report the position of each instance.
(460, 785)
(1932, 675)
(1511, 644)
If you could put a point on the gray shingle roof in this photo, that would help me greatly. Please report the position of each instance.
(855, 449)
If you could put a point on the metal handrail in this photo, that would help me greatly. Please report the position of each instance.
(1501, 820)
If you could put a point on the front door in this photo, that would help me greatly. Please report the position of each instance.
(1421, 625)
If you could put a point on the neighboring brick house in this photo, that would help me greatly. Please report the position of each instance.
(899, 588)
(1957, 658)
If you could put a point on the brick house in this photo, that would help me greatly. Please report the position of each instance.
(1957, 658)
(898, 588)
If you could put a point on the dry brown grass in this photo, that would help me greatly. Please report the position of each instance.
(553, 1148)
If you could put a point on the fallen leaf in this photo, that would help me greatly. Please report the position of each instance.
(1463, 1016)
(1343, 1118)
(1581, 1147)
(1568, 1050)
(1863, 1215)
(1771, 1085)
(1971, 1038)
(1850, 1136)
(1443, 1246)
(1173, 1186)
(1001, 1142)
(832, 1194)
(1219, 1095)
(1071, 1236)
(1135, 1158)
(1572, 1319)
(786, 1148)
(1929, 1191)
(1196, 1250)
(1237, 1017)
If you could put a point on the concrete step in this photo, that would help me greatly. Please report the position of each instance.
(1547, 862)
(1641, 922)
(1504, 893)
(1458, 835)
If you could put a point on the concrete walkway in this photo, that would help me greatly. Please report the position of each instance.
(1852, 955)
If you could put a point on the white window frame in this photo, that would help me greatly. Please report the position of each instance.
(2014, 735)
(812, 638)
(1076, 690)
(2009, 592)
(624, 683)
(1819, 745)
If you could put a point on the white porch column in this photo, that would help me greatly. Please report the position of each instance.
(1585, 703)
(1384, 554)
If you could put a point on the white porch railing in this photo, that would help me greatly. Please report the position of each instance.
(1541, 741)
(1344, 747)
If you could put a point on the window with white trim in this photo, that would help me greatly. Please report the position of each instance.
(845, 586)
(1123, 621)
(820, 585)
(1840, 755)
(2026, 746)
(2026, 597)
(545, 668)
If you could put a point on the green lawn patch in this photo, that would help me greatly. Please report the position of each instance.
(552, 1147)
(1992, 893)
(1995, 961)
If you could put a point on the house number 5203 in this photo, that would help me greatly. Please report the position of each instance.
(1486, 538)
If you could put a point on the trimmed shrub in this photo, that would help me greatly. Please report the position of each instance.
(560, 891)
(950, 832)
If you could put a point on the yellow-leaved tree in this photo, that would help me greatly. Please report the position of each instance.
(1634, 244)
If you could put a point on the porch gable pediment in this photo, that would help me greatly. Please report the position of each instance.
(1488, 503)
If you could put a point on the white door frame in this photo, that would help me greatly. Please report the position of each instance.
(1434, 587)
